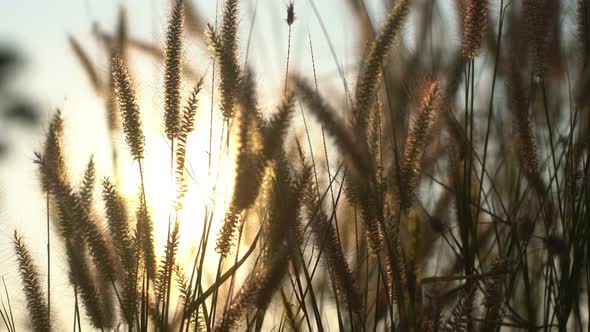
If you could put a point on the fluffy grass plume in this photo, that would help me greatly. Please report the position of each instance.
(256, 292)
(86, 191)
(75, 216)
(225, 49)
(82, 220)
(537, 17)
(125, 246)
(370, 75)
(84, 285)
(118, 222)
(475, 18)
(493, 296)
(51, 161)
(250, 163)
(116, 45)
(173, 71)
(419, 135)
(275, 131)
(164, 276)
(54, 180)
(144, 233)
(252, 157)
(187, 125)
(128, 107)
(282, 243)
(36, 303)
(524, 138)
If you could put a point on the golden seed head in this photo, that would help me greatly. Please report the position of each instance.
(475, 14)
(129, 108)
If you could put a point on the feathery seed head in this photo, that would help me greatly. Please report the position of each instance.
(81, 277)
(173, 71)
(226, 47)
(118, 223)
(51, 161)
(187, 125)
(213, 40)
(540, 17)
(145, 236)
(190, 110)
(417, 140)
(129, 109)
(275, 130)
(524, 134)
(290, 13)
(36, 303)
(226, 237)
(475, 16)
(257, 291)
(370, 75)
(87, 189)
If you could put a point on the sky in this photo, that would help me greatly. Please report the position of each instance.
(52, 79)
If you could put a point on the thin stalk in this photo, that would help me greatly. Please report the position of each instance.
(212, 94)
(168, 270)
(48, 263)
(288, 57)
(216, 292)
(550, 131)
(491, 108)
(144, 301)
(9, 304)
(77, 310)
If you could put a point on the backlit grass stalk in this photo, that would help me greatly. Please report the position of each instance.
(36, 303)
(186, 127)
(54, 181)
(326, 237)
(125, 92)
(424, 262)
(475, 16)
(132, 127)
(125, 246)
(290, 19)
(225, 48)
(370, 75)
(420, 132)
(249, 165)
(173, 72)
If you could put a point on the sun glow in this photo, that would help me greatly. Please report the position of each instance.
(209, 177)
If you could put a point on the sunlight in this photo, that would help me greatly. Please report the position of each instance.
(209, 182)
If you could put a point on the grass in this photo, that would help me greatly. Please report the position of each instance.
(455, 198)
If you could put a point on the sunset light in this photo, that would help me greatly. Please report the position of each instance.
(295, 165)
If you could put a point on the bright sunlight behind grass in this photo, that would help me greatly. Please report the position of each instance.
(263, 178)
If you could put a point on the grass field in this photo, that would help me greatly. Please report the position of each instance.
(441, 183)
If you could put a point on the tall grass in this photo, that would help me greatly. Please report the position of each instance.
(456, 197)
